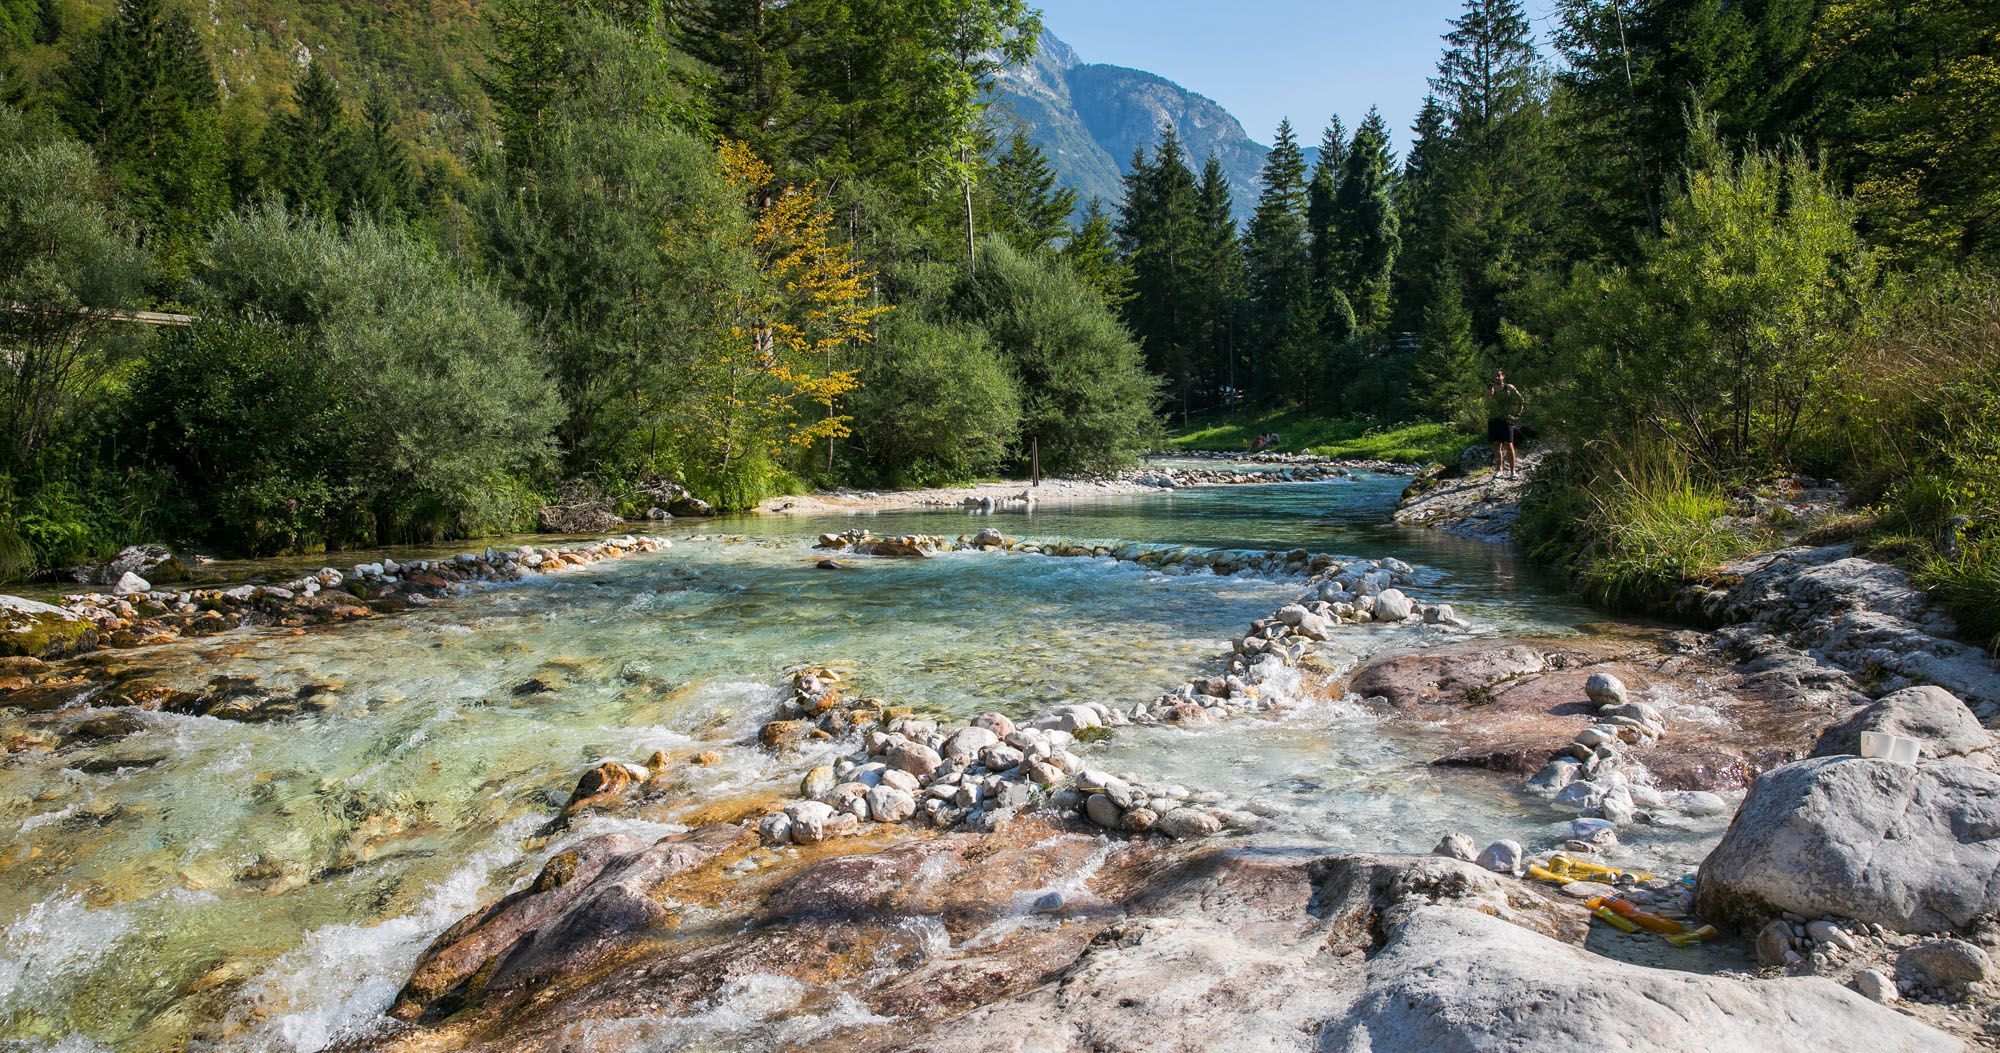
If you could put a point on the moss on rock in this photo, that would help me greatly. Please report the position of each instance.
(38, 630)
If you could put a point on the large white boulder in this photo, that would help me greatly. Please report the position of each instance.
(1941, 724)
(1912, 847)
(1456, 979)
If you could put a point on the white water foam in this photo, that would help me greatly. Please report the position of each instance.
(60, 940)
(341, 978)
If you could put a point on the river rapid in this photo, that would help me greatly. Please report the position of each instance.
(227, 885)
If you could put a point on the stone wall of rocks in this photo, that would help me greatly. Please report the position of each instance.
(911, 768)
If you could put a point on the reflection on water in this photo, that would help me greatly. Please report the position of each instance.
(268, 885)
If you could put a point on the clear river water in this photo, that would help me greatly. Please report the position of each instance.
(268, 886)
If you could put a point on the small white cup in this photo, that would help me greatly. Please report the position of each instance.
(1881, 745)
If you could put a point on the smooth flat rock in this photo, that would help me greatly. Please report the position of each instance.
(1455, 979)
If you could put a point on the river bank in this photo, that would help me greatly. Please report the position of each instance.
(1042, 932)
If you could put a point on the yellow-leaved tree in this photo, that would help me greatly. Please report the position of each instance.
(781, 382)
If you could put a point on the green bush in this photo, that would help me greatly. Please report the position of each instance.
(1085, 394)
(341, 389)
(936, 406)
(1632, 524)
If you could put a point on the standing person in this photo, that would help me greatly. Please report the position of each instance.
(1504, 406)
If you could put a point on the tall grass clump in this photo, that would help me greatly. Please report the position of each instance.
(1918, 432)
(1633, 524)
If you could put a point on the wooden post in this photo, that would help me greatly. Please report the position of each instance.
(1034, 462)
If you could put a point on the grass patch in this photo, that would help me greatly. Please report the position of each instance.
(1302, 432)
(1632, 526)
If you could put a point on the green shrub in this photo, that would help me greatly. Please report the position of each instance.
(342, 388)
(1085, 394)
(936, 406)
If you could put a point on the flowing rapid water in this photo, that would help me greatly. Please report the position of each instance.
(267, 886)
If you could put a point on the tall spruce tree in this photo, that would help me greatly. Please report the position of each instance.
(526, 67)
(1320, 194)
(380, 181)
(1219, 285)
(308, 147)
(141, 93)
(1364, 224)
(1449, 367)
(1158, 229)
(1032, 208)
(1283, 318)
(1092, 254)
(1495, 181)
(1420, 213)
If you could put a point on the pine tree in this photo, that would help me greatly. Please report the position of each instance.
(1158, 230)
(1320, 194)
(1092, 254)
(1283, 319)
(380, 180)
(1365, 227)
(141, 93)
(1497, 184)
(1419, 211)
(308, 147)
(48, 23)
(1033, 208)
(1449, 366)
(1220, 280)
(526, 76)
(747, 49)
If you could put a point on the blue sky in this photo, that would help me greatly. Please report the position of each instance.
(1266, 59)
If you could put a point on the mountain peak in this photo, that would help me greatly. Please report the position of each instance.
(1089, 117)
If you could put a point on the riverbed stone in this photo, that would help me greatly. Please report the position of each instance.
(967, 742)
(1605, 689)
(587, 898)
(1910, 847)
(1941, 724)
(775, 829)
(1099, 809)
(1188, 823)
(889, 804)
(1456, 846)
(1392, 606)
(1501, 857)
(30, 628)
(1457, 979)
(817, 782)
(812, 821)
(1949, 964)
(1875, 985)
(914, 757)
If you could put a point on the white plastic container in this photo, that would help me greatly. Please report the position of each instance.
(1884, 746)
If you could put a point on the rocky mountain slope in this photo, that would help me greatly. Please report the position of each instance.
(1089, 117)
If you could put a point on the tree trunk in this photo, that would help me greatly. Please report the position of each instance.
(965, 182)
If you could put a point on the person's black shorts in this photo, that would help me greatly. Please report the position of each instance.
(1499, 430)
